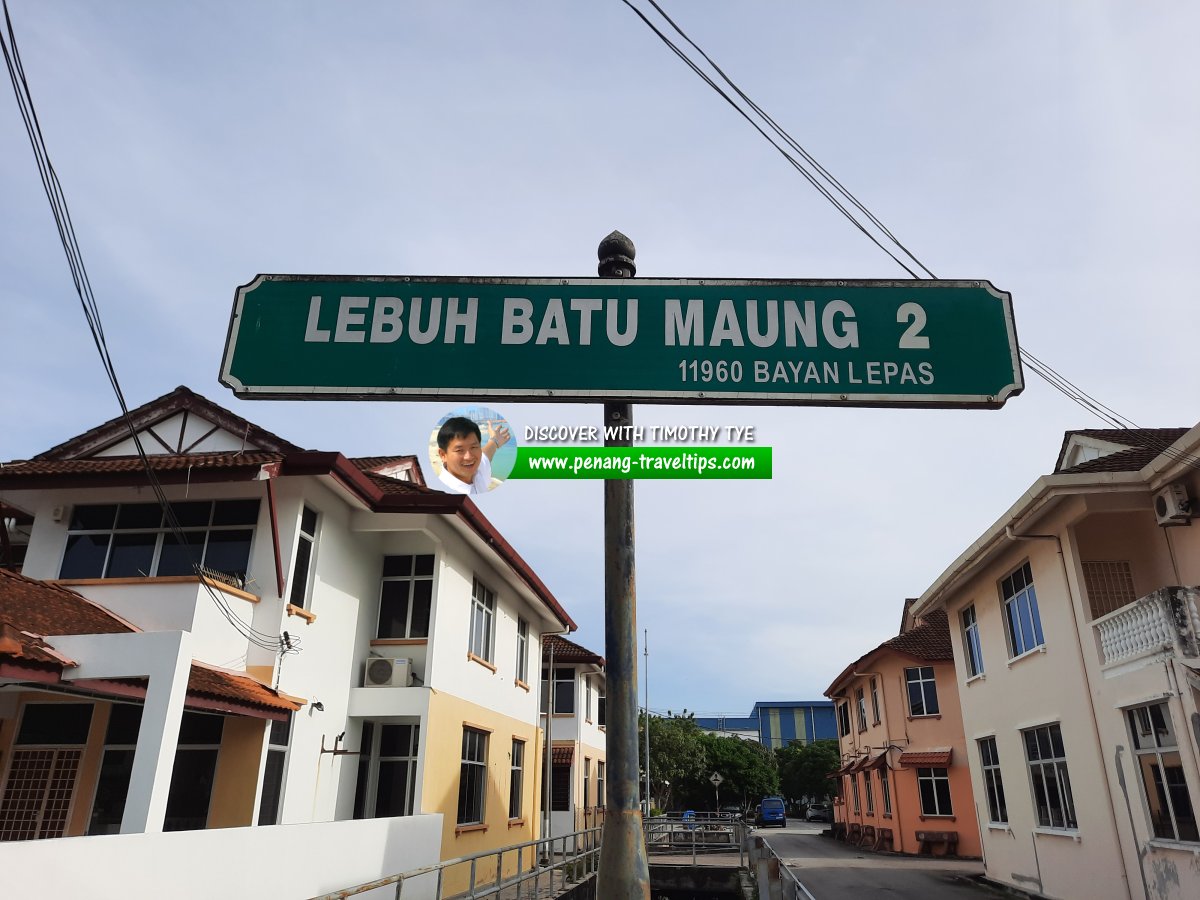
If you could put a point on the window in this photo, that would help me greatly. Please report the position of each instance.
(885, 791)
(922, 691)
(305, 544)
(601, 699)
(875, 700)
(1021, 618)
(195, 770)
(522, 651)
(1157, 751)
(861, 705)
(272, 790)
(870, 794)
(587, 698)
(854, 789)
(127, 540)
(601, 796)
(992, 782)
(1052, 800)
(934, 786)
(387, 769)
(516, 779)
(42, 769)
(972, 649)
(1109, 585)
(483, 617)
(560, 796)
(116, 767)
(405, 596)
(472, 779)
(587, 783)
(563, 686)
(843, 719)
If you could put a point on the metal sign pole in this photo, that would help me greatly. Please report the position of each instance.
(624, 873)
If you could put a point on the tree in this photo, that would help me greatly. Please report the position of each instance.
(749, 770)
(676, 756)
(806, 769)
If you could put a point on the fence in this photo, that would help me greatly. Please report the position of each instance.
(696, 834)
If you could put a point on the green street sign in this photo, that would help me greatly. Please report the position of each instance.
(751, 341)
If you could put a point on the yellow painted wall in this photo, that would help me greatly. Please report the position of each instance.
(236, 782)
(439, 789)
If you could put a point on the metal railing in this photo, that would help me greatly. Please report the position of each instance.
(696, 834)
(547, 864)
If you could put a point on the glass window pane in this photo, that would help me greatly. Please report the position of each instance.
(422, 596)
(268, 807)
(191, 790)
(236, 512)
(395, 740)
(111, 789)
(299, 589)
(928, 798)
(916, 703)
(200, 728)
(1038, 639)
(85, 556)
(423, 564)
(1026, 626)
(942, 785)
(181, 559)
(132, 555)
(393, 610)
(931, 698)
(391, 793)
(397, 566)
(192, 513)
(228, 551)
(139, 515)
(308, 521)
(93, 518)
(124, 722)
(55, 724)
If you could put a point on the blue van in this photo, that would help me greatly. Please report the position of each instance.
(770, 812)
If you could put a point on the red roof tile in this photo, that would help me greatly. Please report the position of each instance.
(16, 644)
(1144, 445)
(568, 651)
(939, 758)
(562, 756)
(930, 640)
(42, 608)
(221, 684)
(120, 465)
(372, 465)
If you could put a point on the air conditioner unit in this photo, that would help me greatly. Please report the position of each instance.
(383, 672)
(1172, 506)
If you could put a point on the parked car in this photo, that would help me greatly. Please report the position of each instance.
(819, 812)
(732, 812)
(771, 812)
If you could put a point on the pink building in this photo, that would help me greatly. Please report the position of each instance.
(904, 783)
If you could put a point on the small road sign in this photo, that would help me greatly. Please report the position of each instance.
(716, 779)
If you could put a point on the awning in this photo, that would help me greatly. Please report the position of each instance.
(926, 758)
(562, 756)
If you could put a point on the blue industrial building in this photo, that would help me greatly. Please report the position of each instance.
(776, 723)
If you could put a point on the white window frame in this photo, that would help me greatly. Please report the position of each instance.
(482, 636)
(300, 590)
(410, 580)
(934, 776)
(972, 645)
(869, 792)
(885, 790)
(927, 684)
(473, 768)
(522, 651)
(860, 705)
(1014, 599)
(993, 781)
(1056, 764)
(854, 790)
(875, 699)
(516, 780)
(1150, 760)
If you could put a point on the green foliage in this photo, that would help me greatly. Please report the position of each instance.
(676, 756)
(805, 769)
(749, 770)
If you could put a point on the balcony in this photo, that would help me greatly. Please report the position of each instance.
(1164, 623)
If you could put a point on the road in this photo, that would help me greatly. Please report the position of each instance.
(830, 870)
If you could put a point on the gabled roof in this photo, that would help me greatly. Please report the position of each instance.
(568, 651)
(1123, 449)
(41, 608)
(928, 641)
(147, 415)
(371, 480)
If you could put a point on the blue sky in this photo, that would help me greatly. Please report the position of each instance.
(1046, 146)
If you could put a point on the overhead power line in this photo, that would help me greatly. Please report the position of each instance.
(829, 187)
(91, 311)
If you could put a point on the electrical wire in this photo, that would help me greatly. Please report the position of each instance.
(91, 310)
(815, 174)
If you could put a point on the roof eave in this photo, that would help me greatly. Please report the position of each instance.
(1045, 493)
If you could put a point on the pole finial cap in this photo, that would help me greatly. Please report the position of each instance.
(616, 254)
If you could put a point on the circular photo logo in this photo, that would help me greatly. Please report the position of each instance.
(472, 450)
